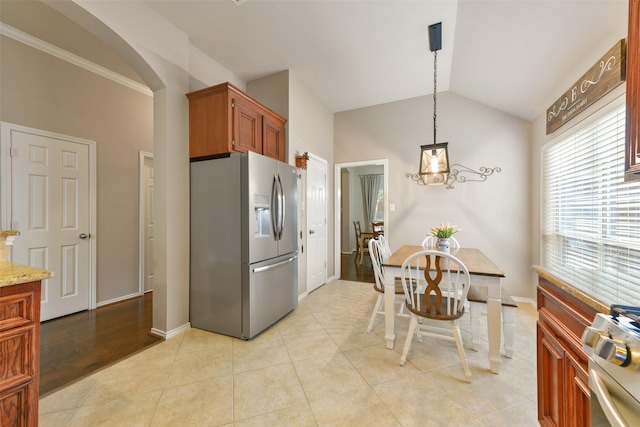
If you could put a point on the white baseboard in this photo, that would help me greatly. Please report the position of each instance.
(172, 333)
(524, 300)
(119, 299)
(302, 296)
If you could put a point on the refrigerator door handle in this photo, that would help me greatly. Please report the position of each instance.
(269, 267)
(274, 207)
(282, 208)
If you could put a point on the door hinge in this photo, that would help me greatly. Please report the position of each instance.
(233, 104)
(13, 152)
(233, 142)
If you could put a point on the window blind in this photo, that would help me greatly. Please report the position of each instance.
(591, 217)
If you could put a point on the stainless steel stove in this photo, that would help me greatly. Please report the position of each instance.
(613, 345)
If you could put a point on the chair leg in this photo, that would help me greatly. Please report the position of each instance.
(463, 356)
(407, 343)
(361, 250)
(376, 309)
(509, 329)
(474, 316)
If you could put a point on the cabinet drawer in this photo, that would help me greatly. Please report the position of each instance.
(17, 310)
(17, 355)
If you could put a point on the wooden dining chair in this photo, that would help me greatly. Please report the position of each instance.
(435, 286)
(378, 228)
(376, 252)
(477, 298)
(362, 241)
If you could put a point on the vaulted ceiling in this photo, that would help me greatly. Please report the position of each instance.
(517, 56)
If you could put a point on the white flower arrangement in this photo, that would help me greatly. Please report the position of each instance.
(444, 231)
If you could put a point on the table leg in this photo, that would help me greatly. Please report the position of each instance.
(389, 307)
(494, 325)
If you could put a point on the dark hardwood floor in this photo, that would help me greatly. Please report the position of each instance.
(350, 270)
(77, 345)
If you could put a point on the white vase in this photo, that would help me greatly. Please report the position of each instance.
(443, 244)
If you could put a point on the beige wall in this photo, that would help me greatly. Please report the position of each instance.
(311, 130)
(494, 215)
(43, 92)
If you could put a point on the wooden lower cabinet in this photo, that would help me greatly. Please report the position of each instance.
(563, 382)
(19, 354)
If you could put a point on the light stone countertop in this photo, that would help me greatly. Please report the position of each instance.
(582, 296)
(13, 274)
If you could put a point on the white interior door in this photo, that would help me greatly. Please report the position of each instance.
(51, 207)
(146, 221)
(316, 222)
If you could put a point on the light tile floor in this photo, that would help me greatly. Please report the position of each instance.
(316, 367)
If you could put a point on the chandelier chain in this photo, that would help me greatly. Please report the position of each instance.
(435, 91)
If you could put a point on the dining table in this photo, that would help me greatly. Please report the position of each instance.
(483, 272)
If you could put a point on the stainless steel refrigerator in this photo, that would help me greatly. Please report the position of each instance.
(244, 258)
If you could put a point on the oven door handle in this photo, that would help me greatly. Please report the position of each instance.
(605, 400)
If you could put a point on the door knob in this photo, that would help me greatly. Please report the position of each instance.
(84, 236)
(312, 232)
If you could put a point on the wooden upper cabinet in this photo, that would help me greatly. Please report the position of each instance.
(632, 155)
(247, 126)
(223, 119)
(273, 137)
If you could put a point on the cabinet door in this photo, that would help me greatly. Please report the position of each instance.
(550, 379)
(578, 398)
(273, 138)
(16, 406)
(632, 155)
(247, 127)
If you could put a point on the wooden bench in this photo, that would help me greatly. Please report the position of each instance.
(477, 296)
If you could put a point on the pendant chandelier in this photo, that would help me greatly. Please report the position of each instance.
(434, 158)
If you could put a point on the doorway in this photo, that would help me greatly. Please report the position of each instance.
(342, 219)
(316, 201)
(146, 221)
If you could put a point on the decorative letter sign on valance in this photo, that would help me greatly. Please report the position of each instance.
(603, 77)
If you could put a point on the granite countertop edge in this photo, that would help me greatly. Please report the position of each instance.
(587, 299)
(12, 273)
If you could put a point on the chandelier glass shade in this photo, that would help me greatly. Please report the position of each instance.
(434, 159)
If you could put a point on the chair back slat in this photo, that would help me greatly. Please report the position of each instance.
(384, 245)
(377, 258)
(435, 284)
